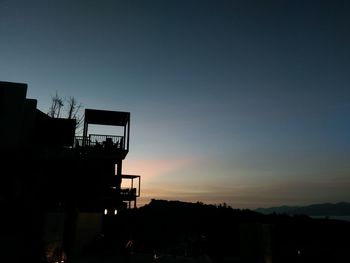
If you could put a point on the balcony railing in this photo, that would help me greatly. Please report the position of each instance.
(128, 193)
(99, 141)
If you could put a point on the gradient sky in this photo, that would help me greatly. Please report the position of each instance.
(243, 102)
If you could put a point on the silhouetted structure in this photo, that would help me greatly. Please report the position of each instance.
(51, 178)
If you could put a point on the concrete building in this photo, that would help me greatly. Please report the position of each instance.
(56, 184)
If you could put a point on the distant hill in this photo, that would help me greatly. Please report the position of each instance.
(326, 209)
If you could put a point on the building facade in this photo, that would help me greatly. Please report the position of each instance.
(49, 173)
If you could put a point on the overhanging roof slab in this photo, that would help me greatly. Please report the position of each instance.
(105, 117)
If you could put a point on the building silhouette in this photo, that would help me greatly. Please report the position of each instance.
(57, 187)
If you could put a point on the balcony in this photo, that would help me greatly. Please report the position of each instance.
(128, 191)
(101, 144)
(100, 141)
(109, 146)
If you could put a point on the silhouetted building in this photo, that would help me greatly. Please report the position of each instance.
(54, 179)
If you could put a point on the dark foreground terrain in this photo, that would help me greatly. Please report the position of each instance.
(172, 231)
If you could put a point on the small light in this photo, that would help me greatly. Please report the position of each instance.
(115, 211)
(105, 211)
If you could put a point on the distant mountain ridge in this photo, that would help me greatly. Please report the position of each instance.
(325, 209)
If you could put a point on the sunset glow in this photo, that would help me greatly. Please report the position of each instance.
(231, 102)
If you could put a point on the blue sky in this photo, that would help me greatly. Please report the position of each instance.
(243, 102)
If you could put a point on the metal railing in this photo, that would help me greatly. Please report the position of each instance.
(128, 194)
(100, 141)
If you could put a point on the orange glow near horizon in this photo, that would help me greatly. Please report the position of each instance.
(151, 168)
(199, 179)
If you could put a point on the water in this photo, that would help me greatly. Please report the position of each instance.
(344, 218)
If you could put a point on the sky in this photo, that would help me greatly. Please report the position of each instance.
(242, 102)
